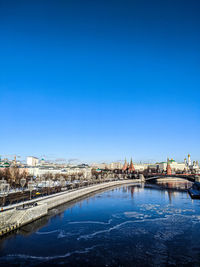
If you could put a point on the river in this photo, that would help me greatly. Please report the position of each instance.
(133, 225)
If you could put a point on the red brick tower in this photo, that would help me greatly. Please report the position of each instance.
(125, 166)
(131, 167)
(169, 170)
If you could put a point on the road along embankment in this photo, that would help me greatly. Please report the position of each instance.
(17, 217)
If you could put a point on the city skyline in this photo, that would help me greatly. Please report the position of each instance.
(100, 81)
(73, 161)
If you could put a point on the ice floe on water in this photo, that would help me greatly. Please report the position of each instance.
(88, 236)
(47, 258)
(173, 225)
(117, 215)
(48, 232)
(149, 206)
(164, 210)
(133, 214)
(91, 222)
(61, 233)
(137, 215)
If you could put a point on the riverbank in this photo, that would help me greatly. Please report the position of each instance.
(125, 225)
(16, 217)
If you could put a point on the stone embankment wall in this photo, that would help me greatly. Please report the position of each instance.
(58, 200)
(15, 218)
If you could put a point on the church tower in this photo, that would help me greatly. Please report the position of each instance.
(169, 170)
(131, 167)
(189, 160)
(125, 165)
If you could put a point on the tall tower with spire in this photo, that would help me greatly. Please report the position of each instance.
(169, 170)
(125, 165)
(189, 160)
(131, 167)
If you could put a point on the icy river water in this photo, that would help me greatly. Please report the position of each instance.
(132, 225)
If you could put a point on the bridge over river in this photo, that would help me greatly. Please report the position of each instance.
(188, 177)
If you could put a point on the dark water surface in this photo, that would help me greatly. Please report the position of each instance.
(126, 226)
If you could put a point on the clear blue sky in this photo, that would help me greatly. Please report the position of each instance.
(100, 80)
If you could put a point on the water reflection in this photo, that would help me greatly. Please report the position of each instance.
(174, 184)
(135, 225)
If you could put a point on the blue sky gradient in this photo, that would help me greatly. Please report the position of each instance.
(100, 80)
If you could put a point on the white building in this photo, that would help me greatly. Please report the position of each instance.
(32, 161)
(39, 171)
(175, 166)
(99, 165)
(140, 166)
(115, 165)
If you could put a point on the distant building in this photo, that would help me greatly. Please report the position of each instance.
(114, 165)
(193, 166)
(189, 160)
(39, 171)
(4, 165)
(128, 167)
(175, 166)
(42, 162)
(32, 161)
(99, 165)
(141, 166)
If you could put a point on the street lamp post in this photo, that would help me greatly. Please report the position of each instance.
(43, 186)
(37, 180)
(30, 186)
(22, 183)
(77, 181)
(49, 185)
(4, 187)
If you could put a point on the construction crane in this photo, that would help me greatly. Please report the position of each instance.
(15, 158)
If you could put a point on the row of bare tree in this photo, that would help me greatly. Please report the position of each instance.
(13, 175)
